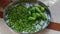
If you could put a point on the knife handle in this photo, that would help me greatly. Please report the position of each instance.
(54, 26)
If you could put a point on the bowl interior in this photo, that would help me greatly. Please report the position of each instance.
(27, 4)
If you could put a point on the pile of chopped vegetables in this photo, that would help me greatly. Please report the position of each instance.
(24, 19)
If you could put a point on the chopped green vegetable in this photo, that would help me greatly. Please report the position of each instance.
(34, 15)
(23, 19)
(31, 18)
(38, 15)
(42, 9)
(43, 16)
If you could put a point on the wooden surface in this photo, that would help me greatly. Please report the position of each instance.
(54, 26)
(1, 14)
(4, 3)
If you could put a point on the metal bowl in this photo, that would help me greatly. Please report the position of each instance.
(28, 3)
